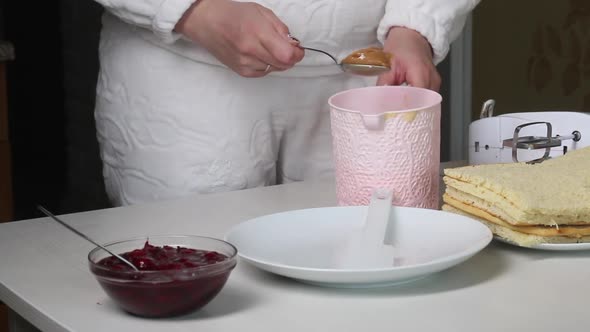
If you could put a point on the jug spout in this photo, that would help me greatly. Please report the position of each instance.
(374, 122)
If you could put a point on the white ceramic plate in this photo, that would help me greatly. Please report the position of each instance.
(551, 246)
(302, 244)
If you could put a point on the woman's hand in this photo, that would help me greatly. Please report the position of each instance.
(411, 62)
(248, 38)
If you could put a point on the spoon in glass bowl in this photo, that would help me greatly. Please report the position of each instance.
(354, 63)
(52, 216)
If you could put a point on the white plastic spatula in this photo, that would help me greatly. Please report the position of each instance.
(366, 249)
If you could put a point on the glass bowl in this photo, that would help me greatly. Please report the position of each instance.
(163, 293)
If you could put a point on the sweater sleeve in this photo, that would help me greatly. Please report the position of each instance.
(160, 16)
(439, 21)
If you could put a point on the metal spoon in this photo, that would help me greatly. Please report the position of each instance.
(353, 68)
(52, 216)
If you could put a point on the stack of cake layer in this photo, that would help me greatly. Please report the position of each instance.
(526, 204)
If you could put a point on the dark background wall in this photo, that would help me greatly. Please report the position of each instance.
(51, 88)
(80, 30)
(51, 99)
(543, 65)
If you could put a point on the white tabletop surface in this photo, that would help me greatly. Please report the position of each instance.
(44, 277)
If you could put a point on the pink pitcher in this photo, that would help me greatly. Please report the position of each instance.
(387, 137)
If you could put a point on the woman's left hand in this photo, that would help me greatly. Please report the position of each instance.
(411, 62)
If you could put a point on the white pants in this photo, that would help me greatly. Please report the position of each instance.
(169, 126)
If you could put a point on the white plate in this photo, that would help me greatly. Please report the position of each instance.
(302, 244)
(550, 246)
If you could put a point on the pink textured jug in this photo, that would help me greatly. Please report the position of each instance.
(387, 137)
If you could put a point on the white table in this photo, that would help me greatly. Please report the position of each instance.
(45, 279)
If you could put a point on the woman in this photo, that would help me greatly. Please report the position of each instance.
(213, 95)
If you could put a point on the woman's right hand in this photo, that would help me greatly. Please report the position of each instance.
(244, 36)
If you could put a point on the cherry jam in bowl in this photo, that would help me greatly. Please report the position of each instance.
(177, 274)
